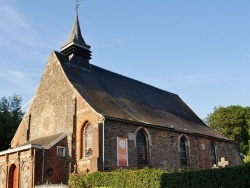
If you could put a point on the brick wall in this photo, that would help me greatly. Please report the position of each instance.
(58, 165)
(17, 160)
(85, 116)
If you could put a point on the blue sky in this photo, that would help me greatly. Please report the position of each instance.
(197, 49)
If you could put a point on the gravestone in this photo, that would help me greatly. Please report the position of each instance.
(223, 163)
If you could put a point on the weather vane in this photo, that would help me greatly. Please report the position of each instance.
(77, 6)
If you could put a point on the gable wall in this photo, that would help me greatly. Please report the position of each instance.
(164, 147)
(57, 107)
(52, 108)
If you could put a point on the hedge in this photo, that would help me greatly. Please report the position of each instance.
(231, 177)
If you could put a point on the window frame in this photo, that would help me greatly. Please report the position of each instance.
(146, 147)
(61, 151)
(183, 151)
(213, 154)
(88, 140)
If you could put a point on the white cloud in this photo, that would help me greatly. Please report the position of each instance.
(202, 78)
(12, 17)
(14, 28)
(194, 79)
(189, 79)
(18, 80)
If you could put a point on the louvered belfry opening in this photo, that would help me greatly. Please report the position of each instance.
(141, 146)
(76, 49)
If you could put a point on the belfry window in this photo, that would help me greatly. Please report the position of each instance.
(88, 140)
(183, 151)
(213, 154)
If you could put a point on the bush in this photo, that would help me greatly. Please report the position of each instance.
(230, 177)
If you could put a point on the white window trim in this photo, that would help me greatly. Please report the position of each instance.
(63, 154)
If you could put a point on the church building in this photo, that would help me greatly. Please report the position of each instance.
(84, 118)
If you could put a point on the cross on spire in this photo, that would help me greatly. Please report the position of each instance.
(77, 6)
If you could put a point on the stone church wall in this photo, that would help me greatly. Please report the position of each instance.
(164, 147)
(52, 108)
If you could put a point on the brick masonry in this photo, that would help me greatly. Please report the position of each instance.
(57, 165)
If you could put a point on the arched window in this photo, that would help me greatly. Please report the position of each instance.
(88, 140)
(213, 154)
(183, 151)
(141, 147)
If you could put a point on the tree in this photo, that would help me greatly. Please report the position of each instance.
(232, 122)
(10, 117)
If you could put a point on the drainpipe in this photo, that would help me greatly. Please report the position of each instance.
(103, 143)
(42, 165)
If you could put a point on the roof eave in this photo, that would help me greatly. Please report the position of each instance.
(21, 148)
(169, 129)
(55, 141)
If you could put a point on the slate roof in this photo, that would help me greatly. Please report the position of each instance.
(122, 98)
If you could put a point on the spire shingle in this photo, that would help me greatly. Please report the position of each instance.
(76, 35)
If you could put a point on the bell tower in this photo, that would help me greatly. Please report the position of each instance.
(75, 48)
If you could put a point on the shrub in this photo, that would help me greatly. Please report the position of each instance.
(229, 177)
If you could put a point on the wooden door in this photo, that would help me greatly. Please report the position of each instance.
(13, 177)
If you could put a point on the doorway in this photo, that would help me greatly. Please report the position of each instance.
(13, 177)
